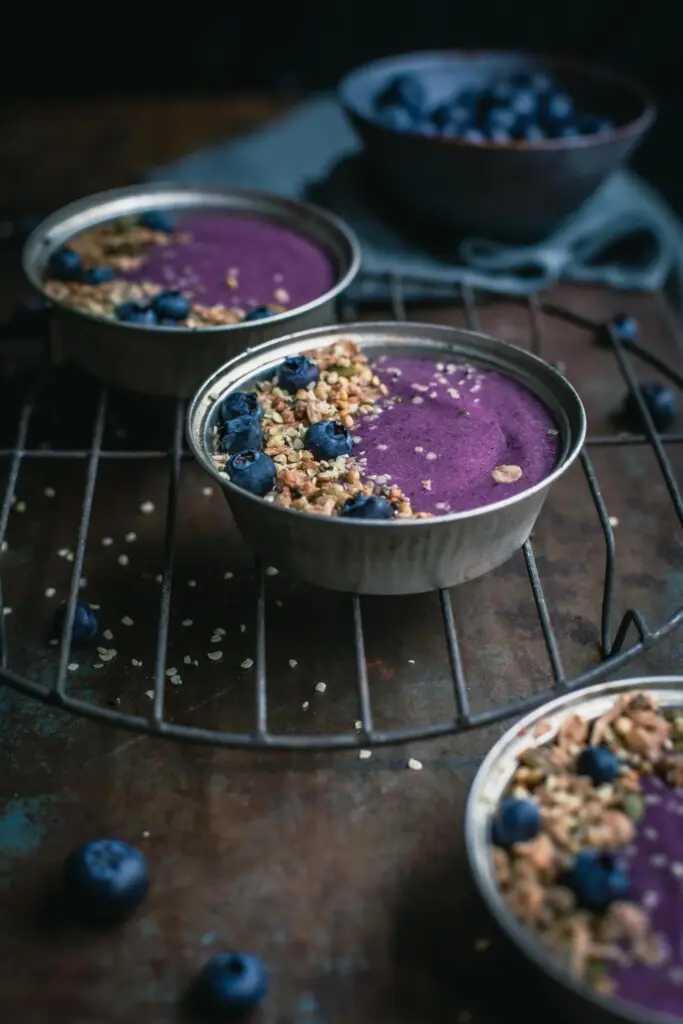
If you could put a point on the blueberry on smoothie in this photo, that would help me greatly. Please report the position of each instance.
(597, 878)
(253, 471)
(361, 507)
(241, 433)
(297, 372)
(259, 313)
(239, 403)
(98, 275)
(134, 313)
(599, 764)
(171, 305)
(517, 821)
(328, 439)
(65, 265)
(104, 881)
(157, 220)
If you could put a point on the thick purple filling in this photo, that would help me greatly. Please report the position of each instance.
(656, 863)
(266, 263)
(450, 428)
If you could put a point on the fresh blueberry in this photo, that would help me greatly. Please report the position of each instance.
(442, 116)
(297, 372)
(473, 135)
(86, 624)
(500, 136)
(398, 119)
(65, 265)
(361, 507)
(157, 220)
(559, 107)
(625, 327)
(232, 984)
(499, 117)
(590, 124)
(105, 881)
(259, 313)
(328, 439)
(171, 305)
(599, 763)
(252, 470)
(502, 92)
(239, 403)
(134, 313)
(241, 433)
(404, 91)
(517, 821)
(568, 131)
(661, 402)
(97, 275)
(524, 102)
(528, 131)
(597, 879)
(538, 81)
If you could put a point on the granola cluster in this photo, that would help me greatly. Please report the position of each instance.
(577, 815)
(347, 389)
(123, 245)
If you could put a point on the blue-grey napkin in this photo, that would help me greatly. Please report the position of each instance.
(626, 236)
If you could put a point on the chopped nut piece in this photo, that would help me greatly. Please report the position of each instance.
(506, 474)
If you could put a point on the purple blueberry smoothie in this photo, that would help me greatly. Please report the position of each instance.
(243, 262)
(192, 269)
(444, 429)
(655, 860)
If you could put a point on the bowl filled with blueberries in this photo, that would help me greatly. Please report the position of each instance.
(502, 145)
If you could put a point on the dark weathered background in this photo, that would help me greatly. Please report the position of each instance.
(74, 49)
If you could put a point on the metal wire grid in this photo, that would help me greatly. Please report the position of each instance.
(613, 653)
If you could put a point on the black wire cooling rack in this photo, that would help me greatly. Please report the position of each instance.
(613, 650)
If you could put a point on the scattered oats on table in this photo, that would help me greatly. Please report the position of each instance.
(147, 507)
(247, 663)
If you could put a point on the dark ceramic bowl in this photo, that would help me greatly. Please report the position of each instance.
(517, 191)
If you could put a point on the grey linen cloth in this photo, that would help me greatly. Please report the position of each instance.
(625, 236)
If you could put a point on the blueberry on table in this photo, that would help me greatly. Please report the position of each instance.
(597, 878)
(239, 403)
(105, 881)
(171, 305)
(661, 402)
(516, 821)
(86, 624)
(157, 220)
(98, 275)
(259, 313)
(252, 470)
(361, 507)
(64, 265)
(232, 984)
(134, 313)
(241, 433)
(405, 91)
(328, 439)
(599, 764)
(297, 372)
(625, 327)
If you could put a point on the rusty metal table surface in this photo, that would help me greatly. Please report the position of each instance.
(348, 876)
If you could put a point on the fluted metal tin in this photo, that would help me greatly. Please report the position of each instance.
(575, 1000)
(161, 361)
(403, 556)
